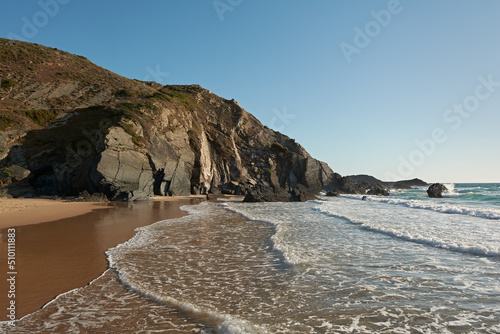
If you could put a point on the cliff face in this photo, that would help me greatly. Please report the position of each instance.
(75, 126)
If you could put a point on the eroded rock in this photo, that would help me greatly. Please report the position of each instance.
(436, 190)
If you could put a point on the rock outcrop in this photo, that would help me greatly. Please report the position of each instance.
(405, 184)
(12, 174)
(84, 196)
(436, 190)
(344, 184)
(77, 127)
(332, 193)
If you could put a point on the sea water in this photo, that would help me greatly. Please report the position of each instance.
(399, 264)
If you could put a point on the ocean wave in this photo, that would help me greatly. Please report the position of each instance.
(487, 213)
(147, 240)
(465, 234)
(277, 215)
(475, 250)
(451, 190)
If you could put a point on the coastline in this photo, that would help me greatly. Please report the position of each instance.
(293, 267)
(60, 245)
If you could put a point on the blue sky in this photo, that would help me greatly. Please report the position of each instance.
(395, 89)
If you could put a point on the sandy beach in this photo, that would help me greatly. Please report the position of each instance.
(60, 245)
(27, 211)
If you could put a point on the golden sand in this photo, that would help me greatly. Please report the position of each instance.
(60, 245)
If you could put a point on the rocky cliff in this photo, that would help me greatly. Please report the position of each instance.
(67, 125)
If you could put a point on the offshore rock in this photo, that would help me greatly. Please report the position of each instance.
(404, 184)
(408, 184)
(332, 194)
(378, 190)
(436, 190)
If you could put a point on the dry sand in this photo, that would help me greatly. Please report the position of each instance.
(27, 211)
(67, 250)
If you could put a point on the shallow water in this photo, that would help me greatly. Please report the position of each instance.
(336, 265)
(55, 257)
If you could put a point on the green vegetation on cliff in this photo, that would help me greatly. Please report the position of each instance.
(5, 123)
(41, 117)
(8, 83)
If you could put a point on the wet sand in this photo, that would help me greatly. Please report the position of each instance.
(57, 256)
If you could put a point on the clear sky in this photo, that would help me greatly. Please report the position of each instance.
(394, 89)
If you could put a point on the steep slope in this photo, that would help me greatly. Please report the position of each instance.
(72, 126)
(38, 77)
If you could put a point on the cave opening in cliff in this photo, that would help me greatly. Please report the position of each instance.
(158, 177)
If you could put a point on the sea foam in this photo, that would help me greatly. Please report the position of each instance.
(150, 241)
(461, 209)
(467, 233)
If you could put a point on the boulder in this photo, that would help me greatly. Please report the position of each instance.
(13, 173)
(350, 187)
(214, 197)
(302, 194)
(332, 193)
(85, 196)
(14, 182)
(252, 198)
(436, 190)
(21, 189)
(378, 190)
(267, 193)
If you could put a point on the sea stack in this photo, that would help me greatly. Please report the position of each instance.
(436, 190)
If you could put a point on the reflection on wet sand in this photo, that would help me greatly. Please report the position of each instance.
(58, 256)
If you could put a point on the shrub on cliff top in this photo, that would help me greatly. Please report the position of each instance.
(8, 83)
(278, 147)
